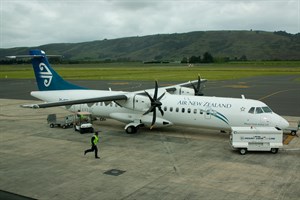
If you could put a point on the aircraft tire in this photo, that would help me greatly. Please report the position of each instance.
(243, 151)
(131, 130)
(293, 133)
(274, 150)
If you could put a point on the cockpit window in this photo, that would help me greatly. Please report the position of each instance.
(258, 110)
(251, 110)
(267, 109)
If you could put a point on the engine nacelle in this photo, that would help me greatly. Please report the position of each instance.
(136, 102)
(160, 122)
(185, 91)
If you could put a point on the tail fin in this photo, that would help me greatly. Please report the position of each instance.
(46, 77)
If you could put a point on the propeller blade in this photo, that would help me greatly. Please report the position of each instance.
(153, 118)
(161, 96)
(155, 91)
(161, 111)
(197, 90)
(155, 103)
(151, 99)
(150, 110)
(199, 82)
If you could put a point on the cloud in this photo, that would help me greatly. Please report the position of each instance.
(33, 22)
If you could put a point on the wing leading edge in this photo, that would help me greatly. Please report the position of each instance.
(74, 102)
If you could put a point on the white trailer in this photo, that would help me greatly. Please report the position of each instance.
(256, 139)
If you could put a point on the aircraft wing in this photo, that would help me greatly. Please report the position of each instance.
(186, 84)
(79, 101)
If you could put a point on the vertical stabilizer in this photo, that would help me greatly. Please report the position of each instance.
(46, 77)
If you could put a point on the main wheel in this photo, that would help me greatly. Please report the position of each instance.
(131, 129)
(243, 151)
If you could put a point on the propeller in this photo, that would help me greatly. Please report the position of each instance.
(198, 88)
(155, 103)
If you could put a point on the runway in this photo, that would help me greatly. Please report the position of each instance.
(38, 162)
(281, 93)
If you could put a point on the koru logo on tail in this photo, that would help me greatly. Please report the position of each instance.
(45, 74)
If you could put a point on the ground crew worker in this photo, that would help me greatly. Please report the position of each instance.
(94, 141)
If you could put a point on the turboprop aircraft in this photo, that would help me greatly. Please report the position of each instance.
(158, 107)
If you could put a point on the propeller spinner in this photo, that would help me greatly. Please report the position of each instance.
(155, 103)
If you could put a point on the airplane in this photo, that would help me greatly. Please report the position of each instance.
(158, 107)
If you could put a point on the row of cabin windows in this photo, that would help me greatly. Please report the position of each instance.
(183, 110)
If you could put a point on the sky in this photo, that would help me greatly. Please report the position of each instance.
(29, 23)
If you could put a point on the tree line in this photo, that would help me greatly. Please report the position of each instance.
(205, 58)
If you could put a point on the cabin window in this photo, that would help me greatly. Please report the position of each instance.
(182, 110)
(195, 111)
(258, 110)
(201, 112)
(251, 110)
(171, 109)
(177, 109)
(165, 108)
(267, 109)
(189, 110)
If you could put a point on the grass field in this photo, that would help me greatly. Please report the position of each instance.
(161, 72)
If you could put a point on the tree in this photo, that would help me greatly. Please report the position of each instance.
(184, 60)
(195, 59)
(243, 58)
(207, 58)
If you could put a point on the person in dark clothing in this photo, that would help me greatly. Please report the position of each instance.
(94, 141)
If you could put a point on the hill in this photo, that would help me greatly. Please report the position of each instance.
(255, 45)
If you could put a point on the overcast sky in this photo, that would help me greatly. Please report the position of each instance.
(37, 22)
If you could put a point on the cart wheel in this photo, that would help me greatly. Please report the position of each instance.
(243, 151)
(293, 133)
(274, 150)
(64, 127)
(51, 125)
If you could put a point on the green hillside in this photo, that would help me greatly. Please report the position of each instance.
(255, 45)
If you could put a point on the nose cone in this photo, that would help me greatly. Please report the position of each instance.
(282, 123)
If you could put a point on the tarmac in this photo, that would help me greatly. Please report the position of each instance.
(39, 162)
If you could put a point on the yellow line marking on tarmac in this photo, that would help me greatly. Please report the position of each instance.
(281, 91)
(237, 86)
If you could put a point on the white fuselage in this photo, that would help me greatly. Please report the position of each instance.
(197, 111)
